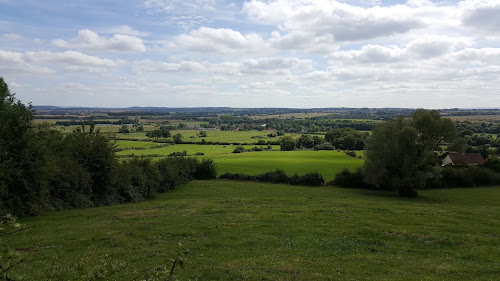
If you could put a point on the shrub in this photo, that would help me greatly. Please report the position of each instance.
(178, 153)
(312, 179)
(347, 178)
(278, 176)
(351, 153)
(239, 149)
(199, 153)
(324, 146)
(205, 170)
(238, 177)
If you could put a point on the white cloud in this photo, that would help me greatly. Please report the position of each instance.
(342, 21)
(43, 61)
(152, 66)
(220, 40)
(91, 41)
(482, 15)
(126, 30)
(425, 47)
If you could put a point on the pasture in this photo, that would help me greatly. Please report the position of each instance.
(255, 231)
(328, 163)
(190, 148)
(231, 136)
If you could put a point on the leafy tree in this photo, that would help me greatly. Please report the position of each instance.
(177, 138)
(164, 132)
(124, 129)
(202, 134)
(492, 162)
(287, 143)
(23, 175)
(400, 152)
(305, 141)
(96, 154)
(458, 145)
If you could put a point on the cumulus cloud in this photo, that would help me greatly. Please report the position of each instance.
(125, 30)
(152, 66)
(425, 47)
(263, 66)
(341, 21)
(220, 40)
(482, 15)
(42, 61)
(91, 41)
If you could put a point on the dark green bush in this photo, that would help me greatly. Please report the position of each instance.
(278, 176)
(324, 146)
(205, 170)
(239, 149)
(351, 153)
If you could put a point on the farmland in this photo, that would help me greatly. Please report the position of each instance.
(190, 148)
(327, 163)
(253, 231)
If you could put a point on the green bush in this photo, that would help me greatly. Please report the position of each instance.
(239, 149)
(278, 176)
(205, 170)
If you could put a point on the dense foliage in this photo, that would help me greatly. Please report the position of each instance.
(278, 176)
(42, 169)
(400, 153)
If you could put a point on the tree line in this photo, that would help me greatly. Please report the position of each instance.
(42, 169)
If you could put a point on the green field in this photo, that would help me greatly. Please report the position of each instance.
(190, 148)
(129, 144)
(328, 163)
(230, 136)
(253, 231)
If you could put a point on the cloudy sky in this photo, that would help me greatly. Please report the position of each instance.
(255, 53)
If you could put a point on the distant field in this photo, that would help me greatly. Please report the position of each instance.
(328, 163)
(254, 231)
(126, 144)
(290, 115)
(230, 136)
(477, 118)
(190, 148)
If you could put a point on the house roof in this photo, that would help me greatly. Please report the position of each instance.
(467, 158)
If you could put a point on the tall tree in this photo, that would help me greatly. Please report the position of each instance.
(22, 176)
(400, 152)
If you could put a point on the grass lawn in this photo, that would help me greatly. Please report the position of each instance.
(328, 163)
(254, 231)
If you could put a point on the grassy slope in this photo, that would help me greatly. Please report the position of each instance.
(328, 163)
(252, 231)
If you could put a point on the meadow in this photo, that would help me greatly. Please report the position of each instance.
(326, 162)
(226, 230)
(231, 137)
(170, 148)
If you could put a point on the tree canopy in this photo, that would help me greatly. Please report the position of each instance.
(400, 152)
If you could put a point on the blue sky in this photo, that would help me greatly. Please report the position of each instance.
(255, 53)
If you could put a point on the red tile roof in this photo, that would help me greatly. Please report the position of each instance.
(467, 158)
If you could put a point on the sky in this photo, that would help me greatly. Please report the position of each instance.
(255, 53)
